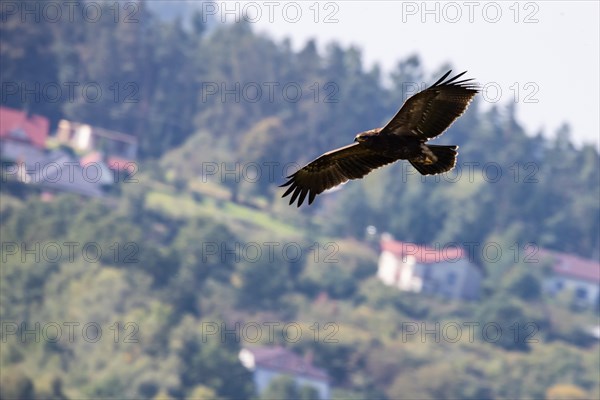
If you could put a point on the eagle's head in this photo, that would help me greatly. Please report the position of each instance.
(366, 135)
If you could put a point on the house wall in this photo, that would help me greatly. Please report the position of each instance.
(20, 152)
(387, 269)
(472, 284)
(404, 274)
(559, 283)
(84, 137)
(455, 280)
(321, 386)
(263, 376)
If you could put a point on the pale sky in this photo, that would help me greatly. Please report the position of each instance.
(547, 51)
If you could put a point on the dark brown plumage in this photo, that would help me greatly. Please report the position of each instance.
(425, 115)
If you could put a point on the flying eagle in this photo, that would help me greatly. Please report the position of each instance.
(425, 115)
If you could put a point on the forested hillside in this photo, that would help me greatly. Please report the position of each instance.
(222, 115)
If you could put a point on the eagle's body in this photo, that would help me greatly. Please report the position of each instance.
(394, 146)
(422, 117)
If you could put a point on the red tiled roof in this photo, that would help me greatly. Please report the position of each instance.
(281, 359)
(35, 127)
(423, 254)
(574, 266)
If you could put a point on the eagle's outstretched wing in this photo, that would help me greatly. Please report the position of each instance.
(424, 116)
(331, 169)
(430, 112)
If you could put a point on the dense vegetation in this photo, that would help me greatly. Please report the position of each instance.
(159, 282)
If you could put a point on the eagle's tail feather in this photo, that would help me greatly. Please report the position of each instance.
(446, 160)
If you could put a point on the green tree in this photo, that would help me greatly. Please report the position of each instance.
(16, 385)
(211, 360)
(280, 388)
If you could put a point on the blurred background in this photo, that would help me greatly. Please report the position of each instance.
(146, 252)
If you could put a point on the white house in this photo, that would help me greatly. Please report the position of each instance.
(445, 271)
(268, 363)
(575, 274)
(87, 138)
